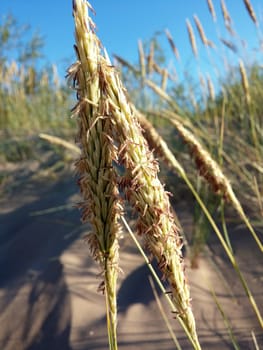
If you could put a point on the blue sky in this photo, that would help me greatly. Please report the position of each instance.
(121, 23)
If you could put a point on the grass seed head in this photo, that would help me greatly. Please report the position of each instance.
(109, 130)
(211, 9)
(150, 59)
(211, 89)
(230, 45)
(148, 197)
(245, 83)
(225, 12)
(201, 32)
(191, 37)
(142, 59)
(101, 205)
(250, 11)
(172, 44)
(207, 167)
(227, 18)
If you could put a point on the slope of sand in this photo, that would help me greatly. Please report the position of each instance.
(48, 282)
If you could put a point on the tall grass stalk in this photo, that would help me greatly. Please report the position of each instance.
(224, 225)
(255, 341)
(162, 149)
(251, 11)
(59, 141)
(191, 37)
(226, 322)
(146, 194)
(225, 247)
(172, 44)
(97, 177)
(246, 89)
(211, 9)
(142, 59)
(201, 32)
(162, 312)
(227, 17)
(150, 59)
(210, 170)
(160, 285)
(109, 132)
(207, 167)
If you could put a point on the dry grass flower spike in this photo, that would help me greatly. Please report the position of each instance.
(191, 37)
(97, 177)
(109, 131)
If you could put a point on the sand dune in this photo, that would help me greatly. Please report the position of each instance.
(48, 282)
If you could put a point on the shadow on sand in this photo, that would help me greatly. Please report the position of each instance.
(35, 306)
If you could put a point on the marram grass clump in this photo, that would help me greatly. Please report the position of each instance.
(109, 133)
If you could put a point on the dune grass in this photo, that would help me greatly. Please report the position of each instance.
(214, 143)
(31, 102)
(140, 168)
(223, 113)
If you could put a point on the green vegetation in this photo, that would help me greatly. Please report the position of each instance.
(209, 132)
(225, 115)
(33, 99)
